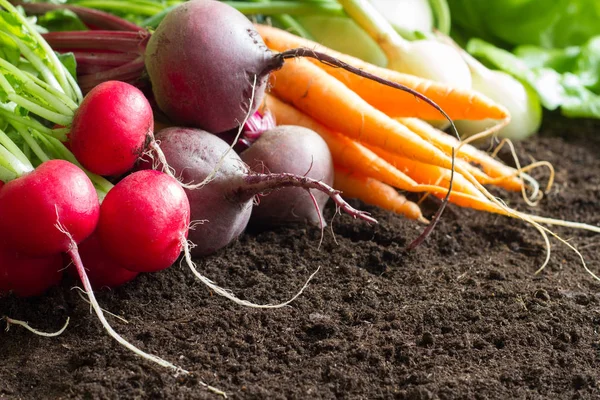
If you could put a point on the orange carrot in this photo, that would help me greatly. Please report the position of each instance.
(371, 191)
(327, 100)
(493, 168)
(427, 174)
(457, 103)
(356, 158)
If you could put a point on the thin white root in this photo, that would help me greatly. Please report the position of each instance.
(491, 131)
(533, 184)
(321, 224)
(74, 254)
(81, 292)
(162, 160)
(566, 224)
(100, 314)
(227, 293)
(211, 176)
(535, 221)
(11, 321)
(535, 197)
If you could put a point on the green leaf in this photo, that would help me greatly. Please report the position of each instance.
(544, 23)
(68, 60)
(61, 20)
(567, 78)
(9, 50)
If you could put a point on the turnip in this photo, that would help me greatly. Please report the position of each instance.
(27, 277)
(224, 204)
(311, 158)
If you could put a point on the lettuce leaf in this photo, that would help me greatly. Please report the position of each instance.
(567, 78)
(544, 23)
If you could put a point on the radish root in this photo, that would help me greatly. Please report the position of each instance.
(80, 293)
(76, 259)
(227, 293)
(11, 321)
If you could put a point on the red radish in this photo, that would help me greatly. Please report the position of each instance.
(144, 221)
(101, 269)
(111, 128)
(26, 277)
(224, 204)
(31, 207)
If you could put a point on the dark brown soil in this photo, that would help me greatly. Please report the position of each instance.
(462, 316)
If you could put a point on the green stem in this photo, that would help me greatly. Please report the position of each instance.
(288, 22)
(5, 85)
(127, 7)
(50, 91)
(58, 106)
(31, 84)
(27, 151)
(39, 110)
(153, 21)
(60, 133)
(31, 142)
(441, 12)
(287, 7)
(28, 122)
(102, 185)
(58, 68)
(12, 163)
(6, 175)
(270, 8)
(37, 62)
(14, 149)
(376, 26)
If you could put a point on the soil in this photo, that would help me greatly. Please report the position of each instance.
(462, 316)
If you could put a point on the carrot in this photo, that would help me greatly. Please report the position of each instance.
(358, 159)
(374, 192)
(498, 173)
(316, 93)
(457, 103)
(427, 174)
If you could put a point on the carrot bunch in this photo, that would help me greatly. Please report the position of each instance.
(380, 143)
(375, 134)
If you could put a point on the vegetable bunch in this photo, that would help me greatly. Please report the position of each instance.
(95, 182)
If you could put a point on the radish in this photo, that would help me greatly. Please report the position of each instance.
(32, 206)
(224, 204)
(144, 221)
(26, 277)
(111, 128)
(311, 158)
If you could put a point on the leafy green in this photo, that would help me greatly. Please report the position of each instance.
(563, 78)
(68, 60)
(61, 20)
(544, 23)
